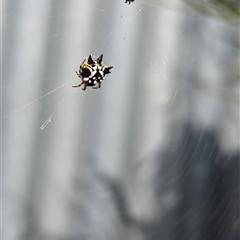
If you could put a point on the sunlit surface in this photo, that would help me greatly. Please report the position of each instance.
(151, 155)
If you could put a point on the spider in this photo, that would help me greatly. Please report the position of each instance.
(129, 1)
(92, 72)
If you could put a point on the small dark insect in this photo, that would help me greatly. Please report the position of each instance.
(129, 1)
(92, 72)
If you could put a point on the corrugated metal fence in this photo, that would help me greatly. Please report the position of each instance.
(153, 154)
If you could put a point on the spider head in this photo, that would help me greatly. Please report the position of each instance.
(85, 72)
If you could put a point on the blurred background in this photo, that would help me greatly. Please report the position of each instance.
(153, 154)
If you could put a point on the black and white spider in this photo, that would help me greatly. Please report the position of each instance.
(92, 72)
(129, 1)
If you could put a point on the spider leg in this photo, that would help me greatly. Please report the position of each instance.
(78, 74)
(79, 85)
(85, 86)
(99, 86)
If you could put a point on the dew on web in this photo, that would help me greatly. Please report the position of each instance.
(49, 119)
(34, 101)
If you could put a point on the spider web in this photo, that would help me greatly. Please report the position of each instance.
(153, 154)
(6, 90)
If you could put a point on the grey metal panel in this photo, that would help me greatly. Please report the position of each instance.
(139, 158)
